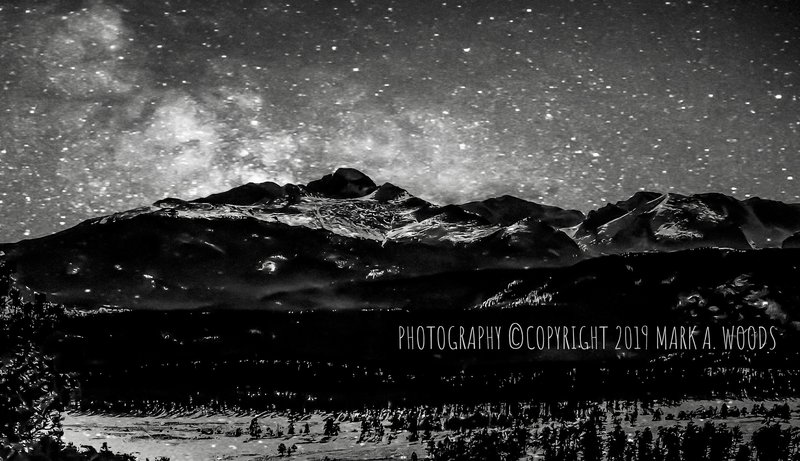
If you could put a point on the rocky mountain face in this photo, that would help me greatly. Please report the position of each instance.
(267, 241)
(650, 221)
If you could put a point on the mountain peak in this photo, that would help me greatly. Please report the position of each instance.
(507, 209)
(257, 240)
(343, 183)
(246, 194)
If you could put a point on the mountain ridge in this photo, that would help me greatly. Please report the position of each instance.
(259, 239)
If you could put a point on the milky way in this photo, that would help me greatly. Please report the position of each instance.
(106, 105)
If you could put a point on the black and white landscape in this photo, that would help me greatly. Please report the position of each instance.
(348, 229)
(340, 295)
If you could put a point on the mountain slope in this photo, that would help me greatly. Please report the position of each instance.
(239, 246)
(264, 241)
(665, 222)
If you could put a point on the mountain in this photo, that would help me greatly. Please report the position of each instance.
(269, 245)
(256, 240)
(507, 210)
(651, 221)
(315, 290)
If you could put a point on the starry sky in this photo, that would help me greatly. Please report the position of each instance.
(107, 105)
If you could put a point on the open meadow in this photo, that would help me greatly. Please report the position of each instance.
(215, 437)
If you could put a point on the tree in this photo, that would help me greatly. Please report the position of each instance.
(670, 441)
(32, 393)
(616, 444)
(331, 428)
(255, 429)
(644, 444)
(771, 442)
(743, 453)
(720, 442)
(33, 396)
(591, 442)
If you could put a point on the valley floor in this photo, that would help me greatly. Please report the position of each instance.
(180, 438)
(202, 437)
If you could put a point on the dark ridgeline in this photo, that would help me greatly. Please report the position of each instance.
(257, 244)
(294, 295)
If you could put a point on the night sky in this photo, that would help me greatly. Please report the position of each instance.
(105, 106)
